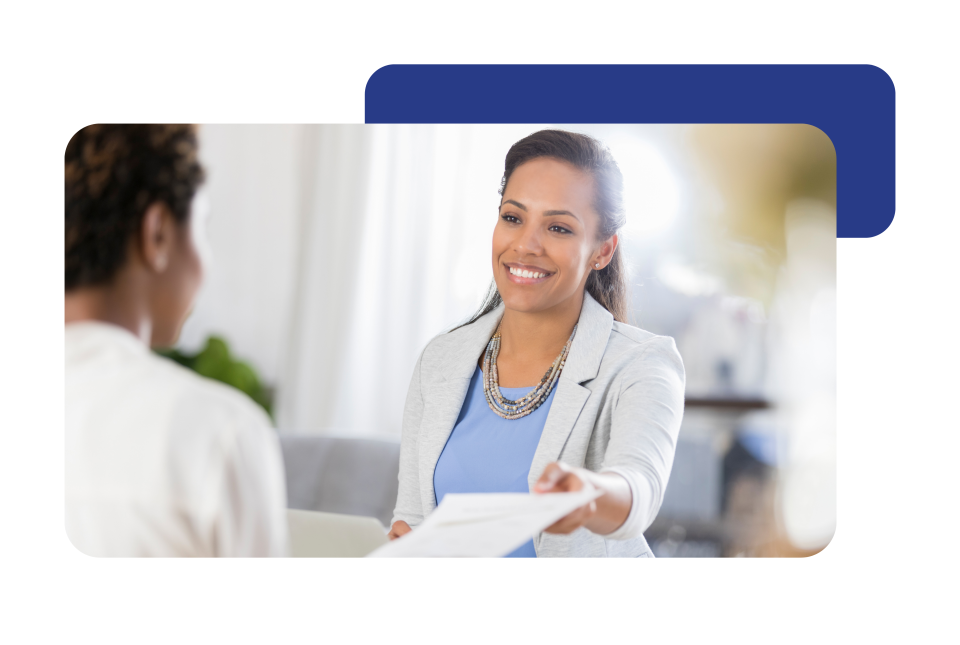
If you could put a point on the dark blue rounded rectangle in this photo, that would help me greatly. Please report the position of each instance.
(852, 104)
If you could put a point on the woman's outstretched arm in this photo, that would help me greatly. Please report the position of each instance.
(639, 455)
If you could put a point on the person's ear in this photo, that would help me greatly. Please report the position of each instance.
(603, 255)
(157, 237)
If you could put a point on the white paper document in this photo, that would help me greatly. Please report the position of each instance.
(485, 525)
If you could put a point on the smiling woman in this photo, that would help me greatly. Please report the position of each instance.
(547, 389)
(573, 169)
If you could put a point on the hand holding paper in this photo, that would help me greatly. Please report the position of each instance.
(485, 524)
(557, 477)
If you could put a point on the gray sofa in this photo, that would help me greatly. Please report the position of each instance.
(359, 477)
(338, 475)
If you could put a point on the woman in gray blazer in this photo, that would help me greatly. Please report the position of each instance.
(483, 415)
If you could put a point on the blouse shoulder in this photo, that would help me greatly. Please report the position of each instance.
(203, 402)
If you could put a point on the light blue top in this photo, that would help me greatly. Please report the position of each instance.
(489, 454)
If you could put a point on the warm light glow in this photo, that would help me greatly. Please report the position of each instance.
(687, 280)
(651, 188)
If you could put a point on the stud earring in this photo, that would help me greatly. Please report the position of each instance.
(597, 265)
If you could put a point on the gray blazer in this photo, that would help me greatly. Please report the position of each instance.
(617, 408)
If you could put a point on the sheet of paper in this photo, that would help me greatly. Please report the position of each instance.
(484, 524)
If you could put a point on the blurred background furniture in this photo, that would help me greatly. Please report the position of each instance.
(333, 535)
(338, 475)
(699, 515)
(718, 501)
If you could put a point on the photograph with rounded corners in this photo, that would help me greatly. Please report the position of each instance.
(527, 340)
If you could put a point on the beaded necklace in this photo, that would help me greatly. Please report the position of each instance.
(521, 407)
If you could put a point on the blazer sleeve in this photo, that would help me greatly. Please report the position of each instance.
(409, 507)
(644, 429)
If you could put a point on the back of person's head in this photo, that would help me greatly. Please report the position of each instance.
(114, 173)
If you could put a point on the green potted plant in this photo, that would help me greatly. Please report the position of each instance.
(215, 361)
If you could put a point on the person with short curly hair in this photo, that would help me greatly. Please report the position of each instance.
(113, 173)
(159, 461)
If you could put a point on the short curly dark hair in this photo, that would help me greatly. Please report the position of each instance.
(113, 173)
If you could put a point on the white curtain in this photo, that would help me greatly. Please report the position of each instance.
(339, 251)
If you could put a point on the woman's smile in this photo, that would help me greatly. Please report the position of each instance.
(526, 273)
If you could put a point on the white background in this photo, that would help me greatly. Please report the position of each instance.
(891, 569)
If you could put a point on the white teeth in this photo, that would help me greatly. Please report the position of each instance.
(523, 273)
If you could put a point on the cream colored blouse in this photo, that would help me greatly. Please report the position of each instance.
(163, 462)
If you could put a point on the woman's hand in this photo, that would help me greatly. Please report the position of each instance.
(602, 515)
(399, 528)
(561, 478)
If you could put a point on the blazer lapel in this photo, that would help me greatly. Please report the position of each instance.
(583, 363)
(564, 412)
(444, 397)
(438, 420)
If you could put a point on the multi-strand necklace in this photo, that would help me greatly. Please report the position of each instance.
(521, 407)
